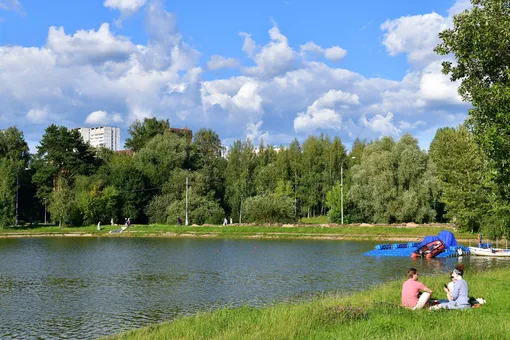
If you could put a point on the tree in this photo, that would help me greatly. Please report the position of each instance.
(463, 176)
(268, 209)
(96, 201)
(479, 41)
(161, 156)
(14, 159)
(61, 153)
(206, 159)
(201, 210)
(62, 203)
(133, 186)
(142, 132)
(394, 182)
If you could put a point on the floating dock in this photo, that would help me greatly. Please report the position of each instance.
(406, 249)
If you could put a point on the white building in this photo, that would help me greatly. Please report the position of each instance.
(102, 136)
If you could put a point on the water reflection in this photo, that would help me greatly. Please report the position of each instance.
(86, 288)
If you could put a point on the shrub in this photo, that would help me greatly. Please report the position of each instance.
(269, 209)
(201, 210)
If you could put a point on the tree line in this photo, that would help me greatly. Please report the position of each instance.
(464, 178)
(385, 181)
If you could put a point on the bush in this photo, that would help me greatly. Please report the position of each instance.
(201, 210)
(269, 209)
(157, 209)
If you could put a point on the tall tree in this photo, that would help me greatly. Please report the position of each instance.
(161, 156)
(14, 159)
(462, 172)
(142, 132)
(61, 153)
(479, 41)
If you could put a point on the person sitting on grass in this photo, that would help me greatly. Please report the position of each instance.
(411, 290)
(459, 298)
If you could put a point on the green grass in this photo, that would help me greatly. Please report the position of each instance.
(314, 220)
(379, 232)
(372, 314)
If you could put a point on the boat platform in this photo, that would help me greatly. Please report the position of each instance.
(406, 249)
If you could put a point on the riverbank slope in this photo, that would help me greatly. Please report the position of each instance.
(374, 313)
(386, 233)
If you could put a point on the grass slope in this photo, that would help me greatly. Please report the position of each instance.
(372, 314)
(378, 232)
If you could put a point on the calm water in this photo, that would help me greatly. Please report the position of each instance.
(88, 287)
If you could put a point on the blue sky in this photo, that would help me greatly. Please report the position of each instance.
(261, 69)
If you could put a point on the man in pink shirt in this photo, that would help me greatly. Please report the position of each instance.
(410, 290)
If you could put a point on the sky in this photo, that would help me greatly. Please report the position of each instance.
(269, 69)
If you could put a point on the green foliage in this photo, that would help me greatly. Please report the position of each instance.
(333, 201)
(268, 209)
(62, 205)
(61, 153)
(14, 159)
(463, 176)
(142, 132)
(161, 156)
(201, 210)
(96, 201)
(7, 191)
(479, 40)
(157, 209)
(393, 183)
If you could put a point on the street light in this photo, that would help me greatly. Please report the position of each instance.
(240, 209)
(342, 187)
(44, 210)
(186, 222)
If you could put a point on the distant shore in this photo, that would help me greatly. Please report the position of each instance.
(389, 233)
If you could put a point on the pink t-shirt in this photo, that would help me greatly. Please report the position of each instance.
(410, 290)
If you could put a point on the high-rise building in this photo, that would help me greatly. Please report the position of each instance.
(102, 136)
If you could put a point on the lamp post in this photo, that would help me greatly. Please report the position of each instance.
(342, 187)
(44, 210)
(240, 209)
(186, 222)
(17, 195)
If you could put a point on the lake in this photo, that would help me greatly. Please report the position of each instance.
(84, 288)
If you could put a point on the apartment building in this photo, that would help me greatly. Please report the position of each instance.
(102, 136)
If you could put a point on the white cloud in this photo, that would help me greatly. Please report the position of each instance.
(88, 46)
(281, 93)
(310, 47)
(414, 35)
(125, 7)
(218, 62)
(435, 86)
(335, 53)
(459, 6)
(322, 114)
(37, 115)
(403, 125)
(249, 45)
(381, 124)
(254, 134)
(102, 118)
(276, 58)
(11, 5)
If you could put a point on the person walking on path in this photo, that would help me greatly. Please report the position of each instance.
(411, 290)
(225, 222)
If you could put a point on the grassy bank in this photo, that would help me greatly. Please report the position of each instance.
(360, 232)
(367, 315)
